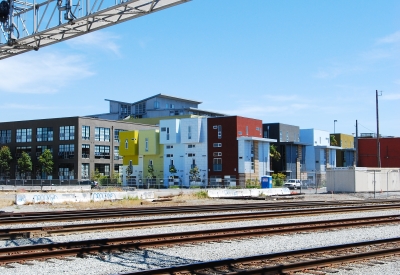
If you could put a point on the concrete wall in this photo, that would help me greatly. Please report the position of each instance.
(226, 193)
(69, 188)
(361, 179)
(32, 198)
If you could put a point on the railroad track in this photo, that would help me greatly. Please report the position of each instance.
(60, 216)
(42, 231)
(22, 254)
(320, 260)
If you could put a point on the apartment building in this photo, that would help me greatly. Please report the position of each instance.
(80, 145)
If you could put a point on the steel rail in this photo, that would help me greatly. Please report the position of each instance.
(45, 251)
(231, 264)
(41, 231)
(211, 207)
(134, 212)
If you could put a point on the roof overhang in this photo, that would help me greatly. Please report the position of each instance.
(269, 140)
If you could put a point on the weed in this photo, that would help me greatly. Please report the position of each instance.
(201, 194)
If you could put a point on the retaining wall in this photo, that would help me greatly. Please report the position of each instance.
(32, 198)
(226, 193)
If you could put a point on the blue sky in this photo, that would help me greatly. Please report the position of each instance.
(304, 63)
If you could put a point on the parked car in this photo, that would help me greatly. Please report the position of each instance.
(292, 184)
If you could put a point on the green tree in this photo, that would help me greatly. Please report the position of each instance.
(278, 179)
(194, 173)
(46, 162)
(273, 152)
(150, 172)
(5, 159)
(333, 140)
(24, 163)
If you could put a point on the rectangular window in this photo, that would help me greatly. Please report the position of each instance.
(189, 132)
(167, 133)
(191, 145)
(215, 127)
(67, 132)
(217, 144)
(85, 132)
(217, 164)
(116, 134)
(170, 155)
(163, 129)
(116, 153)
(101, 152)
(156, 104)
(217, 154)
(23, 135)
(85, 151)
(5, 136)
(66, 151)
(101, 134)
(85, 171)
(219, 131)
(44, 134)
(41, 148)
(170, 146)
(239, 133)
(20, 149)
(146, 144)
(191, 155)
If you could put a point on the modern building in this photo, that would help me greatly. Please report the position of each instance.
(291, 150)
(389, 151)
(159, 105)
(347, 155)
(80, 145)
(237, 151)
(320, 154)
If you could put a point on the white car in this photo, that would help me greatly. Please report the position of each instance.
(292, 184)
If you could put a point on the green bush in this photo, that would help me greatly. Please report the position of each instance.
(253, 183)
(201, 194)
(278, 179)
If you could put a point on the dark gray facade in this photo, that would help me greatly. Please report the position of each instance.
(80, 145)
(288, 145)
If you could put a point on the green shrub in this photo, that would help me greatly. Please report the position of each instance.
(201, 194)
(278, 179)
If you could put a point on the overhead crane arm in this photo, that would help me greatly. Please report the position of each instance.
(30, 25)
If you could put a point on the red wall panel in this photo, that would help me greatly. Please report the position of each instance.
(389, 152)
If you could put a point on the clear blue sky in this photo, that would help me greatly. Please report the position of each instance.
(299, 62)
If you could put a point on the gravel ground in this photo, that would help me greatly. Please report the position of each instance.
(157, 258)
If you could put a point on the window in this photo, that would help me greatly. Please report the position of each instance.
(44, 134)
(219, 131)
(191, 155)
(163, 129)
(66, 151)
(156, 104)
(23, 135)
(101, 134)
(170, 146)
(189, 132)
(170, 155)
(146, 146)
(217, 164)
(217, 144)
(101, 151)
(85, 151)
(240, 133)
(116, 134)
(167, 133)
(67, 132)
(126, 143)
(191, 145)
(116, 153)
(20, 149)
(41, 148)
(217, 154)
(5, 136)
(85, 171)
(85, 132)
(215, 127)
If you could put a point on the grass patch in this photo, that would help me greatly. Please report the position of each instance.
(201, 194)
(7, 202)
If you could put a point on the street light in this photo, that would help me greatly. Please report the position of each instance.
(334, 124)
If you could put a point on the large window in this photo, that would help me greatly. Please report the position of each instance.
(85, 132)
(67, 132)
(116, 153)
(85, 151)
(85, 171)
(66, 151)
(20, 149)
(41, 148)
(5, 136)
(116, 134)
(24, 135)
(217, 164)
(101, 151)
(44, 134)
(102, 134)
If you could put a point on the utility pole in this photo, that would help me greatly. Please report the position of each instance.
(377, 132)
(356, 144)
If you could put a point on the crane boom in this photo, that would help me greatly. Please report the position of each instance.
(29, 25)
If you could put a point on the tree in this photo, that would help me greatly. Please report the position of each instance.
(278, 179)
(5, 159)
(194, 173)
(129, 171)
(24, 163)
(333, 141)
(46, 162)
(273, 152)
(150, 172)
